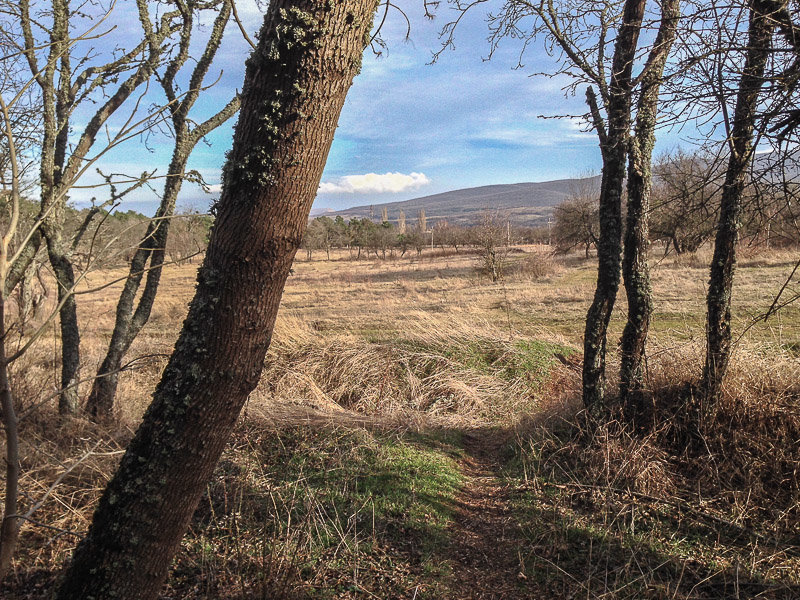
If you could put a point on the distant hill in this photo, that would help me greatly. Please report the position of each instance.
(526, 204)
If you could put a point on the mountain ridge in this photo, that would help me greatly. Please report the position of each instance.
(528, 204)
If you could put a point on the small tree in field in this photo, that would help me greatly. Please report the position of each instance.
(577, 223)
(685, 201)
(491, 240)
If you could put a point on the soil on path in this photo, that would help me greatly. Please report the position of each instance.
(486, 554)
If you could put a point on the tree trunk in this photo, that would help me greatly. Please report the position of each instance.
(614, 145)
(720, 287)
(129, 323)
(635, 270)
(9, 529)
(676, 245)
(296, 82)
(68, 319)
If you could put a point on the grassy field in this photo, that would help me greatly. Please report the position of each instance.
(417, 434)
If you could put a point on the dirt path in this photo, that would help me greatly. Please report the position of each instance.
(486, 539)
(485, 556)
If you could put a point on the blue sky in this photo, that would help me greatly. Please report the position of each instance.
(409, 128)
(460, 122)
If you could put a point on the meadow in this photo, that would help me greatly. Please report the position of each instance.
(417, 433)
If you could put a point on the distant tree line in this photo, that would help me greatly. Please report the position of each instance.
(365, 238)
(684, 209)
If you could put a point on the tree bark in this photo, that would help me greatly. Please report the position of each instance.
(635, 270)
(9, 529)
(295, 86)
(740, 142)
(70, 332)
(53, 230)
(614, 146)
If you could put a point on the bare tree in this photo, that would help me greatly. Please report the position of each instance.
(635, 270)
(13, 225)
(597, 44)
(67, 80)
(762, 24)
(9, 529)
(491, 240)
(296, 82)
(131, 316)
(613, 135)
(685, 202)
(576, 220)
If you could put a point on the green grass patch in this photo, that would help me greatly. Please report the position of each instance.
(320, 512)
(528, 359)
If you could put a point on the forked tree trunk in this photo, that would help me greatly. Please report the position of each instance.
(614, 145)
(635, 271)
(740, 143)
(131, 316)
(295, 86)
(128, 324)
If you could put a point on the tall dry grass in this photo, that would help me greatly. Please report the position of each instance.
(739, 458)
(449, 370)
(428, 340)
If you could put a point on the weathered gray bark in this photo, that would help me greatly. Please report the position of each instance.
(68, 321)
(635, 271)
(614, 147)
(740, 146)
(295, 86)
(131, 316)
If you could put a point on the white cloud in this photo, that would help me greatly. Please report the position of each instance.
(373, 183)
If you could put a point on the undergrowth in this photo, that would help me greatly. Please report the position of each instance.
(322, 513)
(704, 505)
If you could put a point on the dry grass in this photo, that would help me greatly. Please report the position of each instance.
(706, 505)
(458, 373)
(428, 341)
